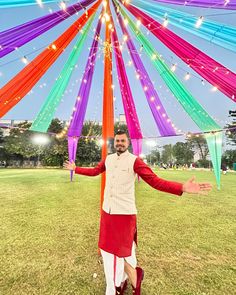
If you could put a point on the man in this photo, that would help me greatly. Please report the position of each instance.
(118, 233)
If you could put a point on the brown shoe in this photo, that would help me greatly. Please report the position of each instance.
(124, 287)
(140, 276)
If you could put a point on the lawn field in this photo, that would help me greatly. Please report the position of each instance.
(49, 229)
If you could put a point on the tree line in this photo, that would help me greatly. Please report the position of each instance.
(17, 147)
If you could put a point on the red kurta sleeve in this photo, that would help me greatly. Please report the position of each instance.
(146, 173)
(91, 171)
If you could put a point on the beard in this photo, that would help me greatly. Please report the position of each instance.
(120, 149)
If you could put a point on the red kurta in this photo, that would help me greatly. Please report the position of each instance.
(117, 232)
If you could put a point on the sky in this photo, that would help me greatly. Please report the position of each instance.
(216, 103)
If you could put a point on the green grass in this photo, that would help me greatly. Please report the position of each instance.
(49, 229)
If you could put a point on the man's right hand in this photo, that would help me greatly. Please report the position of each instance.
(69, 165)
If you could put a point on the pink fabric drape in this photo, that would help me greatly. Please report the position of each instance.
(212, 71)
(127, 98)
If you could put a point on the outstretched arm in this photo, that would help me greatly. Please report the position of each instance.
(146, 173)
(86, 171)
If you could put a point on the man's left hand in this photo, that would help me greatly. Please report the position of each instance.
(193, 187)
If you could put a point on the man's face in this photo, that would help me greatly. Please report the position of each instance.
(121, 143)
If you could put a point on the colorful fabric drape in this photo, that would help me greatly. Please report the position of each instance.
(17, 3)
(220, 4)
(159, 113)
(47, 112)
(214, 32)
(76, 123)
(80, 107)
(108, 108)
(72, 149)
(214, 142)
(188, 102)
(127, 98)
(24, 33)
(22, 83)
(212, 71)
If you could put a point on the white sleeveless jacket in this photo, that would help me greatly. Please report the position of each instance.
(119, 195)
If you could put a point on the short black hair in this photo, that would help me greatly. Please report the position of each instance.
(120, 132)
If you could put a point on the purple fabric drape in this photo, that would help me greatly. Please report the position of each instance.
(163, 122)
(72, 148)
(127, 98)
(22, 34)
(78, 115)
(223, 4)
(212, 71)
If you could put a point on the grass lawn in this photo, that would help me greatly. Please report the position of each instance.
(49, 229)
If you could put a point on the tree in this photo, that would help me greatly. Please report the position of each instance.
(183, 153)
(231, 134)
(167, 154)
(89, 151)
(19, 143)
(1, 136)
(154, 157)
(199, 145)
(3, 153)
(56, 126)
(229, 157)
(56, 152)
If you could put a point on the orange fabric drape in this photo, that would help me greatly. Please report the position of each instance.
(108, 109)
(22, 83)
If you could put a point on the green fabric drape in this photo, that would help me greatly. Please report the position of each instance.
(46, 113)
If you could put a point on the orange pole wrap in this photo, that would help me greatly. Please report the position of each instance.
(108, 109)
(24, 81)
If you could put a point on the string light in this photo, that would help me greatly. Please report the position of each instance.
(199, 22)
(126, 21)
(165, 23)
(154, 56)
(107, 17)
(173, 68)
(187, 77)
(24, 59)
(125, 38)
(214, 88)
(226, 2)
(54, 47)
(138, 23)
(101, 142)
(63, 5)
(39, 2)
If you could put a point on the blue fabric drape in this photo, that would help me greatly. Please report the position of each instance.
(214, 32)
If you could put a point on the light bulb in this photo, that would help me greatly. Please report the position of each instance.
(166, 21)
(199, 22)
